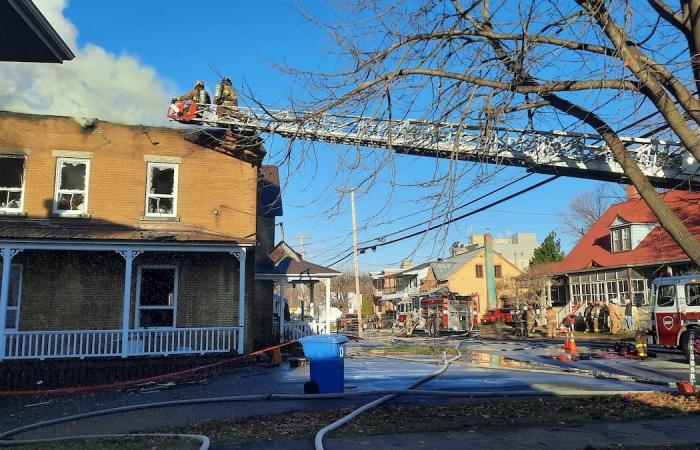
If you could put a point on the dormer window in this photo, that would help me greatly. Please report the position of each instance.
(621, 238)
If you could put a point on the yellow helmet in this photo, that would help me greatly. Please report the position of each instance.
(199, 83)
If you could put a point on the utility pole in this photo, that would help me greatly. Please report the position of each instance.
(357, 263)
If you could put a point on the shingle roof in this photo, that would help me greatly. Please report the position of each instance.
(448, 266)
(657, 247)
(75, 229)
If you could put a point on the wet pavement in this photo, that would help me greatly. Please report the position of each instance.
(487, 368)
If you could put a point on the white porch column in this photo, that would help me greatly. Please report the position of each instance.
(283, 285)
(241, 298)
(7, 254)
(129, 256)
(327, 284)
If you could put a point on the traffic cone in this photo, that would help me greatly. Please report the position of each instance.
(572, 344)
(567, 342)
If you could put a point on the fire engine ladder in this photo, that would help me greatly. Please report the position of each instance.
(667, 164)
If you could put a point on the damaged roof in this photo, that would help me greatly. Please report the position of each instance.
(70, 229)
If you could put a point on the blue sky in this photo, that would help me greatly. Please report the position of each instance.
(182, 41)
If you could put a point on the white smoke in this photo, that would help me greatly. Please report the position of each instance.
(96, 83)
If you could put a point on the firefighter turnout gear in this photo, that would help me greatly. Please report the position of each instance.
(615, 316)
(551, 317)
(640, 344)
(196, 95)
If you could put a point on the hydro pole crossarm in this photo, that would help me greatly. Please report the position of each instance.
(667, 164)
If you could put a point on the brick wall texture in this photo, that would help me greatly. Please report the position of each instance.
(83, 290)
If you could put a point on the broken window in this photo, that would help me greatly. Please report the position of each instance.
(11, 182)
(157, 297)
(12, 317)
(161, 198)
(71, 186)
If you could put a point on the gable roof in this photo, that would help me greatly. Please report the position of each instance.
(448, 266)
(593, 250)
(284, 260)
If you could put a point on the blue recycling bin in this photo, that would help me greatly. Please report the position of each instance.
(326, 353)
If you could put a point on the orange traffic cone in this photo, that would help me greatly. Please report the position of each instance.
(567, 342)
(572, 344)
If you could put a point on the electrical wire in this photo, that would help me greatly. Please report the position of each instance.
(452, 220)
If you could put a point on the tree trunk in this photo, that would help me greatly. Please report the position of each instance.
(667, 218)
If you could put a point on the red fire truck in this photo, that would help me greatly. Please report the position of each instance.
(676, 311)
(448, 312)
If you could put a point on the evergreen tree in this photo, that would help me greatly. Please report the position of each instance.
(548, 251)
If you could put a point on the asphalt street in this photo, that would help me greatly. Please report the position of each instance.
(487, 366)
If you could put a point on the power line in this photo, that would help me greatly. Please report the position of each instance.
(432, 219)
(454, 219)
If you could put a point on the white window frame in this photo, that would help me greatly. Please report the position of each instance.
(139, 307)
(21, 190)
(149, 167)
(57, 191)
(19, 298)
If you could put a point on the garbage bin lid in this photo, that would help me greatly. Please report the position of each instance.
(324, 339)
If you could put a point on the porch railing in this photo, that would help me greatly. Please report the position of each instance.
(106, 343)
(296, 330)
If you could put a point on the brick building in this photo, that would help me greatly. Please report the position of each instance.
(125, 240)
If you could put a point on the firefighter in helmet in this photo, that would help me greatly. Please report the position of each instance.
(226, 95)
(196, 95)
(227, 100)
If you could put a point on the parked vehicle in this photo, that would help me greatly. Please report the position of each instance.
(676, 311)
(348, 322)
(502, 315)
(448, 312)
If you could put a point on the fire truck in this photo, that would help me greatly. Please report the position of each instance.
(448, 312)
(439, 313)
(676, 310)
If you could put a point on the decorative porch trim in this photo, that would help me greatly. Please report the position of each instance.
(129, 251)
(110, 343)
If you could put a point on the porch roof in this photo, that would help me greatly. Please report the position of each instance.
(80, 229)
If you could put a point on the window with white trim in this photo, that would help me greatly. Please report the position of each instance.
(11, 183)
(71, 197)
(621, 239)
(157, 296)
(13, 301)
(161, 190)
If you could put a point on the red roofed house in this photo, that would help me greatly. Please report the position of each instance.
(626, 249)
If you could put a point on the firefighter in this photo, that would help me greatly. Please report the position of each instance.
(227, 95)
(196, 95)
(615, 316)
(530, 319)
(227, 100)
(551, 317)
(588, 316)
(640, 343)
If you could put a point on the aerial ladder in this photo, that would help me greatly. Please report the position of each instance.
(667, 164)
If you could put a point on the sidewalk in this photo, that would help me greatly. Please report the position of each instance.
(641, 434)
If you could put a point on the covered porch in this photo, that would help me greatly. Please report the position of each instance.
(92, 299)
(286, 268)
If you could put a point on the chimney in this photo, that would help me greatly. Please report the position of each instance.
(632, 193)
(490, 271)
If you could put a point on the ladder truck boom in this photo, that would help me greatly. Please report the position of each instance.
(667, 164)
